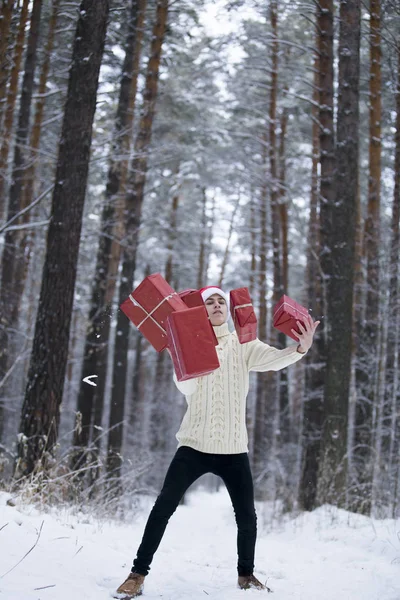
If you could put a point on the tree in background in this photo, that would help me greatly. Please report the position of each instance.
(132, 213)
(368, 350)
(338, 237)
(41, 409)
(91, 399)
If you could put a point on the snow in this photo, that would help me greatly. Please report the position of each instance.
(328, 554)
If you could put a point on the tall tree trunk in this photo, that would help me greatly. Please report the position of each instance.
(24, 238)
(278, 411)
(160, 406)
(392, 396)
(314, 377)
(228, 242)
(260, 418)
(286, 428)
(41, 409)
(367, 359)
(134, 201)
(172, 235)
(14, 253)
(9, 111)
(338, 263)
(201, 277)
(6, 12)
(209, 241)
(91, 399)
(253, 243)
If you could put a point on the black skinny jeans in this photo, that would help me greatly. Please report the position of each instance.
(187, 466)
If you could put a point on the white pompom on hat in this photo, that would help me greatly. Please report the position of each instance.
(210, 290)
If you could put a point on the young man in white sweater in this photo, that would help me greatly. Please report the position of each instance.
(213, 439)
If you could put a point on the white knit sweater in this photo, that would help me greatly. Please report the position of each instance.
(215, 420)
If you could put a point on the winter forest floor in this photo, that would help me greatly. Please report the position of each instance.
(326, 555)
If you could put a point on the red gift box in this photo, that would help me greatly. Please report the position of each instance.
(148, 307)
(191, 343)
(285, 314)
(243, 315)
(191, 298)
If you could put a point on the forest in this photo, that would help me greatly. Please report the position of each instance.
(226, 142)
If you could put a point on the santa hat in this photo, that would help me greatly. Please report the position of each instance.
(210, 290)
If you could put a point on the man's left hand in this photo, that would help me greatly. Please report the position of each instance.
(306, 335)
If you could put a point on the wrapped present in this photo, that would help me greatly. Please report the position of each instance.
(191, 343)
(243, 315)
(285, 314)
(148, 307)
(191, 298)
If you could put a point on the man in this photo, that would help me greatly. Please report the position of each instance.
(213, 439)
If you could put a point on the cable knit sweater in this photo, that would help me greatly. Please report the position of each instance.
(215, 420)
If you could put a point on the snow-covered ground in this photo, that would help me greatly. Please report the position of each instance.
(326, 555)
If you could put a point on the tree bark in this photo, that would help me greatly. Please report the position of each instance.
(134, 202)
(253, 243)
(260, 418)
(6, 12)
(391, 416)
(14, 253)
(10, 108)
(201, 277)
(160, 408)
(24, 238)
(41, 409)
(338, 264)
(91, 399)
(314, 376)
(367, 359)
(228, 242)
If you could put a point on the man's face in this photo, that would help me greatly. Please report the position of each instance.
(216, 309)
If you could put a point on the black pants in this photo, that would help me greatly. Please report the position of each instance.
(187, 466)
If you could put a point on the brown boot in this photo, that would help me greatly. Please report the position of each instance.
(246, 582)
(132, 586)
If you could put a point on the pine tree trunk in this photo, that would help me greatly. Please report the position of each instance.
(392, 400)
(284, 400)
(314, 377)
(6, 12)
(338, 264)
(209, 241)
(279, 413)
(160, 406)
(260, 418)
(253, 238)
(41, 409)
(14, 252)
(228, 242)
(367, 359)
(9, 111)
(91, 399)
(203, 241)
(23, 239)
(134, 201)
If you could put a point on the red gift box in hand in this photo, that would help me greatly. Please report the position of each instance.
(148, 307)
(243, 315)
(285, 314)
(191, 343)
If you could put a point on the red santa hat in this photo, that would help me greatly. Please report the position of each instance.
(210, 290)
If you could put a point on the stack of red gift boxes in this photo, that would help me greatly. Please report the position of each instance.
(179, 322)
